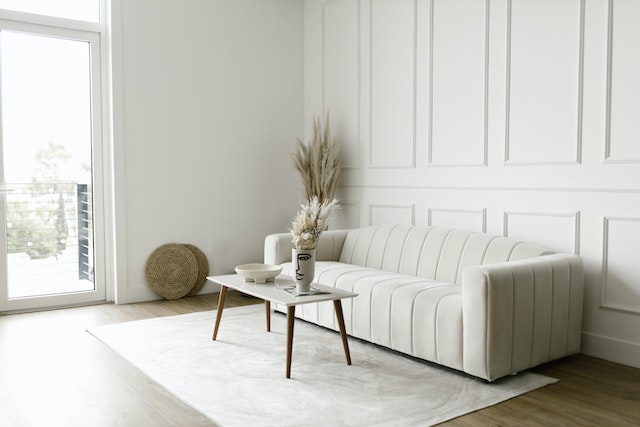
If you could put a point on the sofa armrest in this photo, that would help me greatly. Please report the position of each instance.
(520, 314)
(277, 247)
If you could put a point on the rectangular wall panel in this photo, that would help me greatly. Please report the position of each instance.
(621, 269)
(341, 67)
(458, 126)
(391, 214)
(623, 141)
(544, 87)
(463, 219)
(393, 63)
(557, 232)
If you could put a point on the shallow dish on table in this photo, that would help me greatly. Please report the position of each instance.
(259, 273)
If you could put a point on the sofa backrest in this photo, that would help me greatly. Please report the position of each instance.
(430, 252)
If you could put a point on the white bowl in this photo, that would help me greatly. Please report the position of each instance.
(258, 273)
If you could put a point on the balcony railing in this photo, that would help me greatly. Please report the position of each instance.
(51, 220)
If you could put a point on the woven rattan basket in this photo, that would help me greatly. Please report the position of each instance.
(173, 271)
(203, 268)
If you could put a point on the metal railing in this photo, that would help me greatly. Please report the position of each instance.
(45, 220)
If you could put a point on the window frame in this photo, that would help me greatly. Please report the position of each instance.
(98, 37)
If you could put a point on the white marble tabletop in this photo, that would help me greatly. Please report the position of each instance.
(276, 291)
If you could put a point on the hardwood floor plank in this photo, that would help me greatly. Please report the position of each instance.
(591, 392)
(53, 373)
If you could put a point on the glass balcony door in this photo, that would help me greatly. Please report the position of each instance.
(50, 121)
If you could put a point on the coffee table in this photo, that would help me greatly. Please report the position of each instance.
(275, 292)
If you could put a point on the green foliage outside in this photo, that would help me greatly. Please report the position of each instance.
(37, 211)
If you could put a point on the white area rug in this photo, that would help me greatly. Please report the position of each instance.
(239, 380)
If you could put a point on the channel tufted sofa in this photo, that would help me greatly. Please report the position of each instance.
(486, 305)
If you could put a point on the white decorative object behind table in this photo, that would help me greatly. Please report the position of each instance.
(258, 273)
(283, 291)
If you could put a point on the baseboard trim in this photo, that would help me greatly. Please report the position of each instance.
(144, 293)
(611, 349)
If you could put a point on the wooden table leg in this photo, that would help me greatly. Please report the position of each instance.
(223, 295)
(337, 304)
(267, 307)
(291, 315)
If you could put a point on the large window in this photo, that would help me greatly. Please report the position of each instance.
(51, 153)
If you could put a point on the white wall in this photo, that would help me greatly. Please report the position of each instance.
(208, 102)
(514, 117)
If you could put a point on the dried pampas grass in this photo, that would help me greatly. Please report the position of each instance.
(318, 163)
(311, 221)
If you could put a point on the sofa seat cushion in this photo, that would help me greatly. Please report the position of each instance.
(414, 315)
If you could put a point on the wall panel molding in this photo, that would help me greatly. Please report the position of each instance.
(392, 84)
(619, 288)
(347, 216)
(544, 83)
(559, 232)
(341, 75)
(466, 219)
(623, 88)
(458, 86)
(380, 214)
(547, 150)
(490, 188)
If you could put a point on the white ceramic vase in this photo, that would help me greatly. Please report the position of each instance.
(304, 266)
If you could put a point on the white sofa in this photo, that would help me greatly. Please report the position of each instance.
(486, 305)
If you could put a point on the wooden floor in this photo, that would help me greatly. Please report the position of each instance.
(53, 373)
